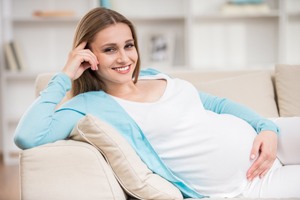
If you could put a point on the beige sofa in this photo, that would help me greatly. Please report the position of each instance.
(70, 169)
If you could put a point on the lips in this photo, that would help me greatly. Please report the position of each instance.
(123, 69)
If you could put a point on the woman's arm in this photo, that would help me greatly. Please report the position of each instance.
(41, 124)
(226, 106)
(266, 140)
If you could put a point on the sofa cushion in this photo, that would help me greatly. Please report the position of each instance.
(66, 169)
(287, 79)
(133, 174)
(254, 90)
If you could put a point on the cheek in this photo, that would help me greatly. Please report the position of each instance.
(105, 60)
(134, 55)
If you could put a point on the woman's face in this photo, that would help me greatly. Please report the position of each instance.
(116, 54)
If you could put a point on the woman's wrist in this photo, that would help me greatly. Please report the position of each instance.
(66, 73)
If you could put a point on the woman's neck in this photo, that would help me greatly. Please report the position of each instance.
(121, 89)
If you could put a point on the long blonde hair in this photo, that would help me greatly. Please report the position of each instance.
(94, 21)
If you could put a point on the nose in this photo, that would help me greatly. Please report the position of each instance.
(122, 57)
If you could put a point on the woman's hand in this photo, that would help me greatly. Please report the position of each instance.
(79, 60)
(266, 142)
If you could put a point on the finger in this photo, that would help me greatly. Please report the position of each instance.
(261, 173)
(95, 57)
(88, 58)
(268, 168)
(89, 53)
(255, 149)
(264, 166)
(253, 155)
(81, 45)
(86, 66)
(261, 159)
(258, 171)
(266, 171)
(96, 60)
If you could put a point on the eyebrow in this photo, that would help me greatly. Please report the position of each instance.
(114, 44)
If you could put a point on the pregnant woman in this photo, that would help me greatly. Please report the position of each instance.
(212, 146)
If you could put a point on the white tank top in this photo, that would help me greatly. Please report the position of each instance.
(209, 151)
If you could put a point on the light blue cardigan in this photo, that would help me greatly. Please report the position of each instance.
(41, 125)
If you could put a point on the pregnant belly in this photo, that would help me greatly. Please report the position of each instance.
(216, 161)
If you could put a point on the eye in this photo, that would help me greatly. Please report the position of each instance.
(128, 46)
(109, 50)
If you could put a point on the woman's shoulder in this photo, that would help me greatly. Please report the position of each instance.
(80, 100)
(151, 72)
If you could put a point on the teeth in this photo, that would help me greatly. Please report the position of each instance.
(122, 69)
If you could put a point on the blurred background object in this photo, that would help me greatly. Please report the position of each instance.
(36, 37)
(245, 7)
(106, 4)
(54, 13)
(246, 1)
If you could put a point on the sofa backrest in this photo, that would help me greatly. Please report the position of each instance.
(192, 76)
(42, 80)
(203, 76)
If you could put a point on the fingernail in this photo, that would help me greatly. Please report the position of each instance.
(248, 175)
(252, 156)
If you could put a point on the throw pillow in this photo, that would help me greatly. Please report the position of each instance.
(253, 90)
(287, 79)
(133, 174)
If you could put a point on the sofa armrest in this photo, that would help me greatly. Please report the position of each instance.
(66, 169)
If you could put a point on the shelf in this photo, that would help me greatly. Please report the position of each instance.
(156, 17)
(44, 19)
(294, 14)
(218, 15)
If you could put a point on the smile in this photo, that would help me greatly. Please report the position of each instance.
(123, 69)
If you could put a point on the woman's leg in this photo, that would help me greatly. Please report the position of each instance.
(288, 148)
(280, 182)
(283, 179)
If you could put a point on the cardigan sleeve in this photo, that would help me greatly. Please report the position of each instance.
(40, 124)
(226, 106)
